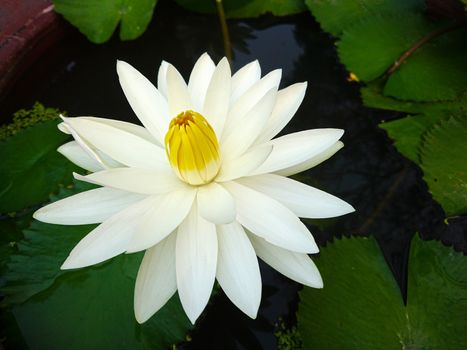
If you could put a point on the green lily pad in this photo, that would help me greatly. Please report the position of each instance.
(434, 72)
(31, 167)
(372, 96)
(246, 8)
(369, 47)
(99, 19)
(407, 133)
(336, 16)
(361, 307)
(444, 163)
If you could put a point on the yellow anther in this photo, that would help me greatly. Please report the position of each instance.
(192, 148)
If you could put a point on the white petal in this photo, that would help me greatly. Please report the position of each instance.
(299, 147)
(245, 164)
(75, 153)
(177, 93)
(244, 78)
(216, 105)
(89, 207)
(156, 281)
(242, 135)
(84, 145)
(311, 162)
(297, 266)
(196, 261)
(124, 147)
(148, 104)
(216, 204)
(108, 239)
(199, 80)
(288, 101)
(162, 78)
(250, 98)
(135, 129)
(305, 201)
(134, 180)
(237, 268)
(164, 216)
(267, 218)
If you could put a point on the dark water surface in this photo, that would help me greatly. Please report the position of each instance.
(391, 200)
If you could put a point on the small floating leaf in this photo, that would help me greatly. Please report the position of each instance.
(99, 19)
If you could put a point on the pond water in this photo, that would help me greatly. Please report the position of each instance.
(391, 200)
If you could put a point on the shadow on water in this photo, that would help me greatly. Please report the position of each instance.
(391, 200)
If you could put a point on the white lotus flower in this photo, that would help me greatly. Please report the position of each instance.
(201, 187)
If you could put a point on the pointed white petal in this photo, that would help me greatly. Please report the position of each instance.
(162, 78)
(135, 180)
(216, 204)
(148, 104)
(216, 105)
(250, 98)
(245, 164)
(311, 162)
(75, 153)
(244, 78)
(177, 93)
(297, 266)
(124, 147)
(237, 268)
(267, 218)
(89, 207)
(108, 239)
(242, 135)
(299, 147)
(199, 80)
(288, 101)
(131, 128)
(156, 281)
(304, 201)
(196, 262)
(164, 216)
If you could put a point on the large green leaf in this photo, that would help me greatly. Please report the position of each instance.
(407, 133)
(434, 72)
(98, 19)
(370, 46)
(361, 307)
(246, 8)
(336, 16)
(372, 96)
(90, 308)
(31, 167)
(444, 163)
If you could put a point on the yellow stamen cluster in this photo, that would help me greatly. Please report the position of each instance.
(192, 148)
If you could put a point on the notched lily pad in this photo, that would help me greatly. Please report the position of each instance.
(361, 307)
(99, 19)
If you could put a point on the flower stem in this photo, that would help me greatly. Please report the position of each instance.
(225, 30)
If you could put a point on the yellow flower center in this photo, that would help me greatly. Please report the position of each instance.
(192, 148)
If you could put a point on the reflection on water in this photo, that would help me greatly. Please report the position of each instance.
(392, 201)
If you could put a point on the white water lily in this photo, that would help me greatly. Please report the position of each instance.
(202, 187)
